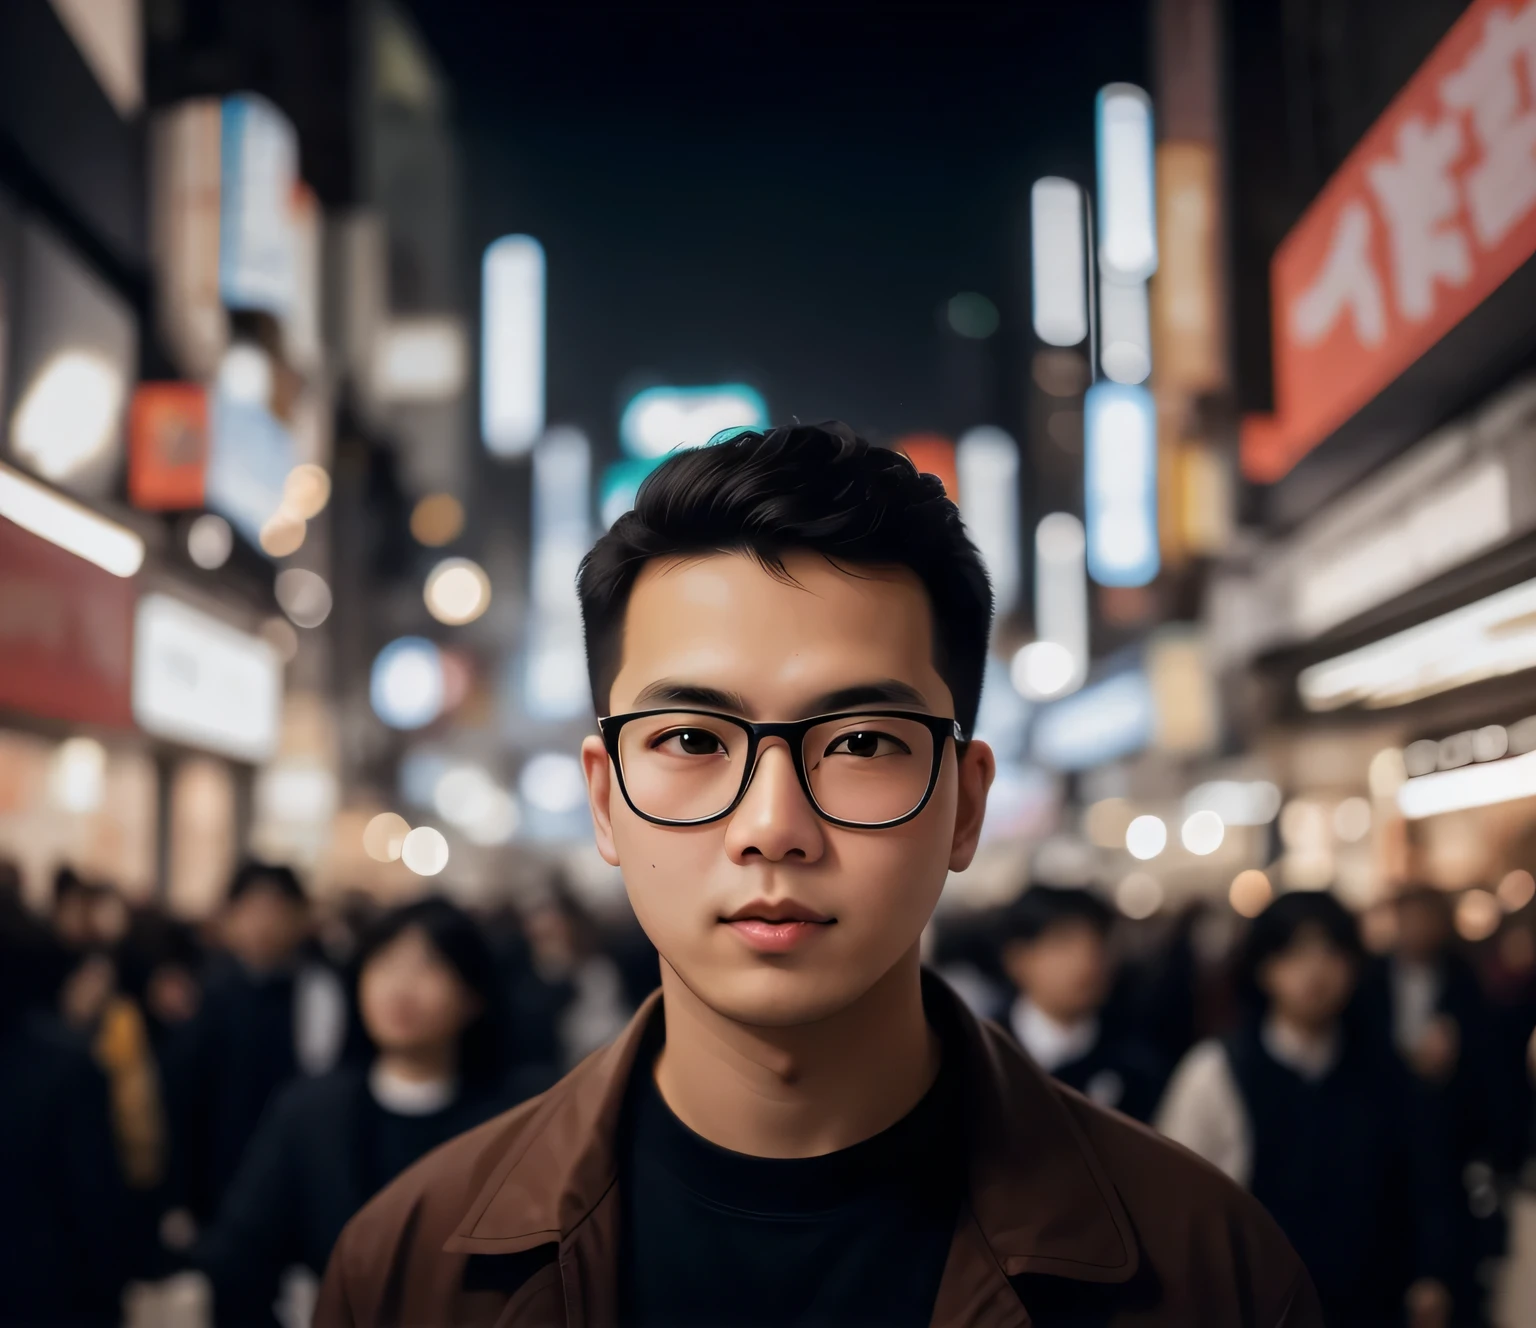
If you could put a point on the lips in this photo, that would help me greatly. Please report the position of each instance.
(777, 926)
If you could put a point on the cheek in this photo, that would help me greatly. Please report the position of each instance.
(665, 868)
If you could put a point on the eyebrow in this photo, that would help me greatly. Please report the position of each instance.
(670, 691)
(885, 691)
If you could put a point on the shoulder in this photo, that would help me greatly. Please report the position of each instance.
(423, 1206)
(1206, 1064)
(306, 1099)
(1189, 1217)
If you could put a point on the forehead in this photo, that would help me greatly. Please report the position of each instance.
(723, 620)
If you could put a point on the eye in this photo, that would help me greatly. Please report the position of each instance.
(689, 742)
(867, 743)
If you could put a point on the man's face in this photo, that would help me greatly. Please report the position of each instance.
(264, 927)
(777, 649)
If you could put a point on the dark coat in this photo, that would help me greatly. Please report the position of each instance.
(1072, 1214)
(1350, 1168)
(312, 1164)
(221, 1075)
(63, 1204)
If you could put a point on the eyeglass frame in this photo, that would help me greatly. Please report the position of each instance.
(793, 732)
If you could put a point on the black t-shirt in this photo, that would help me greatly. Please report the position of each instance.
(711, 1237)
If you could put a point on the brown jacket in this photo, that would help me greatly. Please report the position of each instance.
(1073, 1214)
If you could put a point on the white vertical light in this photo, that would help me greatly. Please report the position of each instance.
(1127, 229)
(1061, 590)
(987, 463)
(1058, 263)
(1125, 331)
(555, 685)
(512, 345)
(1120, 484)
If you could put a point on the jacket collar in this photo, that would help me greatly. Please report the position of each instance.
(1038, 1192)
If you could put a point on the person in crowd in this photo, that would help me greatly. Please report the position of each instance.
(785, 643)
(431, 1067)
(268, 1013)
(1311, 1111)
(63, 1206)
(1428, 1000)
(74, 910)
(962, 948)
(1056, 953)
(572, 989)
(161, 964)
(90, 921)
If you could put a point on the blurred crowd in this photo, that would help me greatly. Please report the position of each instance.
(1369, 1079)
(212, 1102)
(219, 1099)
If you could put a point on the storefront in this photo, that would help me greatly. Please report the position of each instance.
(77, 783)
(1390, 609)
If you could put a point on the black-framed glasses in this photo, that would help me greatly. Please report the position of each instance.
(864, 769)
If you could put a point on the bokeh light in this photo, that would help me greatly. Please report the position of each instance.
(210, 541)
(384, 836)
(457, 591)
(553, 782)
(1516, 890)
(283, 534)
(306, 491)
(303, 595)
(406, 684)
(436, 520)
(1203, 833)
(424, 851)
(1250, 893)
(1146, 837)
(1042, 669)
(1477, 915)
(1139, 895)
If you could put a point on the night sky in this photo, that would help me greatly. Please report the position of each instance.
(782, 194)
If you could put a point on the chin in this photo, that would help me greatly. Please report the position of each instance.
(767, 994)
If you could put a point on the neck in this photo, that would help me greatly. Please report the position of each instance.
(1303, 1033)
(1068, 1021)
(420, 1065)
(804, 1090)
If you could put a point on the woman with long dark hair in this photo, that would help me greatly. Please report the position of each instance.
(427, 1065)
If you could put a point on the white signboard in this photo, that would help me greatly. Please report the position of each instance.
(199, 681)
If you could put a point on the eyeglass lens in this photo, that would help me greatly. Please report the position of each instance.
(866, 769)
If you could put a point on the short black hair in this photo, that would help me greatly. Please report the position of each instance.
(818, 487)
(1276, 928)
(1042, 907)
(253, 873)
(457, 937)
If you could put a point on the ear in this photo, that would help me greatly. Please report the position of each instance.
(599, 772)
(978, 768)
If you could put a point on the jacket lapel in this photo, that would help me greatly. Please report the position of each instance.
(1038, 1202)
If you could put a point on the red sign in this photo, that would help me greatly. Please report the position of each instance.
(1428, 215)
(167, 446)
(66, 633)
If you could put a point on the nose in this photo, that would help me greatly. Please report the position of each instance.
(774, 821)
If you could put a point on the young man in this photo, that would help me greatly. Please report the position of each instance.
(1056, 953)
(263, 1007)
(786, 641)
